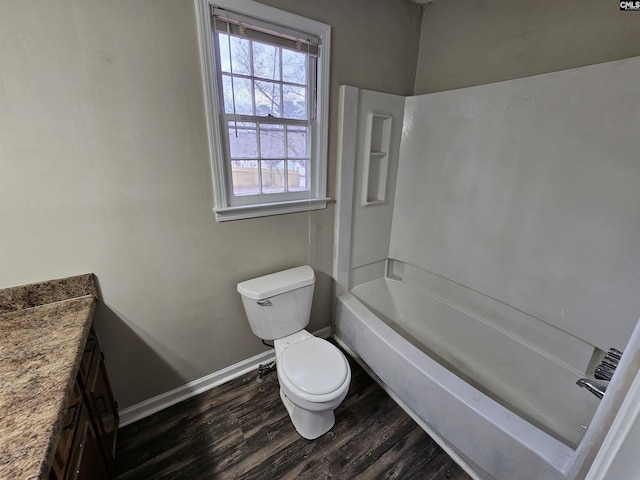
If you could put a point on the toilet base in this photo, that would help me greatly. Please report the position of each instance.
(309, 425)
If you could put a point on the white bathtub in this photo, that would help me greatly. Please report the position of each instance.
(467, 380)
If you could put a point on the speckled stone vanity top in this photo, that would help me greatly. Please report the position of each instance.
(43, 331)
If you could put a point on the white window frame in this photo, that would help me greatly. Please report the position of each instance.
(225, 207)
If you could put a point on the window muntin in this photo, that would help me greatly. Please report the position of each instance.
(264, 189)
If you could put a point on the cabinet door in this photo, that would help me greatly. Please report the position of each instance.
(87, 358)
(66, 436)
(103, 410)
(86, 461)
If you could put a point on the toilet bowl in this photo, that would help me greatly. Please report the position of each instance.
(313, 374)
(314, 378)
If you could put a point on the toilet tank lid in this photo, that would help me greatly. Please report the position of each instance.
(277, 283)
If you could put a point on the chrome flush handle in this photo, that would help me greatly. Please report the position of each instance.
(264, 303)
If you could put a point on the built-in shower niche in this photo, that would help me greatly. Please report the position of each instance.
(376, 158)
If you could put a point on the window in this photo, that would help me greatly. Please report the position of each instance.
(265, 75)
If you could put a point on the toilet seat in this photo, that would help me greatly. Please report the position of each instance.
(314, 369)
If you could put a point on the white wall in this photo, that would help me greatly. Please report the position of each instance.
(527, 191)
(104, 168)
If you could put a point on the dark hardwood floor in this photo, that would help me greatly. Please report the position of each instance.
(241, 430)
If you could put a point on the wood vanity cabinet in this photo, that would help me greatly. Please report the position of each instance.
(86, 449)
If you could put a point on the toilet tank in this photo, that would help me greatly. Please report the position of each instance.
(278, 304)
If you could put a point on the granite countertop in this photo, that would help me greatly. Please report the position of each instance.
(43, 331)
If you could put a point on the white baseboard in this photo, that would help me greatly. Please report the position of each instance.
(323, 332)
(196, 387)
(164, 400)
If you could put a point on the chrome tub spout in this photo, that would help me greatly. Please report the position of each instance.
(594, 387)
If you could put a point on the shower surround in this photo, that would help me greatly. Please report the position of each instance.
(486, 258)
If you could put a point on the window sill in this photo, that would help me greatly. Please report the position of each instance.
(267, 209)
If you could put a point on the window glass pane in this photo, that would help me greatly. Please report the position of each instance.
(297, 142)
(244, 144)
(240, 55)
(273, 176)
(268, 99)
(298, 175)
(227, 94)
(295, 102)
(223, 45)
(266, 61)
(245, 177)
(241, 91)
(271, 141)
(294, 66)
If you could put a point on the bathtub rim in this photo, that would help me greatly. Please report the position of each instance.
(397, 286)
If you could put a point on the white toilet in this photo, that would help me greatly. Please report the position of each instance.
(314, 375)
